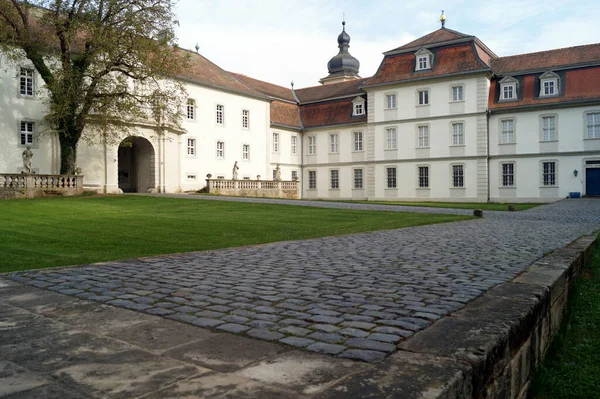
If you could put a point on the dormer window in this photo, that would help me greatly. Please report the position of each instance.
(548, 84)
(358, 106)
(424, 59)
(508, 89)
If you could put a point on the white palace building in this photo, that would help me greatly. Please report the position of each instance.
(442, 119)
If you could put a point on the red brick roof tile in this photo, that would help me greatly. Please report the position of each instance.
(269, 89)
(334, 90)
(330, 113)
(285, 114)
(438, 36)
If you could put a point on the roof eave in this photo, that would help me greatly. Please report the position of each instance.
(223, 88)
(431, 45)
(548, 68)
(446, 75)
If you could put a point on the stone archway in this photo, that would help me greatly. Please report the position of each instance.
(136, 165)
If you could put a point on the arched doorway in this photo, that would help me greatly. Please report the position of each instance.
(136, 165)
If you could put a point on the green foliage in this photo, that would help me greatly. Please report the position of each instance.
(103, 63)
(50, 232)
(571, 368)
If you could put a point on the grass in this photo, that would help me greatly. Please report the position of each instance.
(50, 232)
(486, 206)
(571, 368)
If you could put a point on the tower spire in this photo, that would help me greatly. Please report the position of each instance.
(443, 19)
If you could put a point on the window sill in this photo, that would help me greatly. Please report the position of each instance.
(25, 97)
(508, 143)
(390, 109)
(357, 115)
(423, 148)
(334, 189)
(311, 189)
(391, 188)
(423, 105)
(311, 155)
(591, 138)
(550, 186)
(423, 188)
(507, 187)
(358, 189)
(543, 97)
(507, 100)
(390, 149)
(333, 153)
(548, 141)
(457, 145)
(358, 151)
(456, 101)
(458, 188)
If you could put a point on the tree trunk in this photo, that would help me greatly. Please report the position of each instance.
(68, 154)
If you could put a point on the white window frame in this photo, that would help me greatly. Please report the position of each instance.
(358, 106)
(391, 138)
(357, 141)
(27, 82)
(423, 97)
(547, 129)
(293, 144)
(504, 134)
(220, 149)
(245, 152)
(457, 131)
(192, 149)
(508, 85)
(549, 80)
(334, 179)
(457, 93)
(391, 100)
(508, 180)
(294, 175)
(27, 134)
(423, 177)
(312, 180)
(358, 179)
(391, 179)
(423, 136)
(312, 145)
(220, 115)
(191, 109)
(334, 143)
(246, 119)
(457, 175)
(423, 60)
(549, 177)
(592, 130)
(275, 142)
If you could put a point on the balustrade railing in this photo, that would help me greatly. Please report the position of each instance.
(253, 188)
(32, 185)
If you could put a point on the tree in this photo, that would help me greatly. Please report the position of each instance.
(105, 64)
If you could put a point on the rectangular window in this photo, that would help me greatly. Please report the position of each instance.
(390, 174)
(423, 176)
(391, 135)
(220, 114)
(246, 152)
(358, 178)
(457, 93)
(334, 177)
(593, 125)
(549, 87)
(548, 128)
(423, 136)
(245, 119)
(390, 101)
(312, 179)
(333, 143)
(358, 141)
(508, 131)
(191, 109)
(359, 109)
(508, 92)
(27, 133)
(458, 133)
(423, 62)
(549, 173)
(294, 175)
(26, 82)
(191, 147)
(220, 149)
(275, 142)
(458, 176)
(294, 140)
(423, 97)
(508, 174)
(191, 177)
(312, 145)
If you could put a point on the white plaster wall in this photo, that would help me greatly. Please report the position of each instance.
(345, 154)
(346, 188)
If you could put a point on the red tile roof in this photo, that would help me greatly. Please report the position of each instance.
(447, 60)
(334, 90)
(286, 114)
(269, 89)
(438, 36)
(579, 85)
(330, 113)
(547, 59)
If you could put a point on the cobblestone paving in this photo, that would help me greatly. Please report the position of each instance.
(354, 296)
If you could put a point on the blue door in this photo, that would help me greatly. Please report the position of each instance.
(592, 181)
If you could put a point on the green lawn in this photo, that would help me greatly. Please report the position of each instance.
(50, 232)
(456, 205)
(571, 368)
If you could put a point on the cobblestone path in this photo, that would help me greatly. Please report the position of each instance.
(355, 296)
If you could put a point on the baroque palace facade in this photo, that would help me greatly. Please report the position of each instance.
(442, 119)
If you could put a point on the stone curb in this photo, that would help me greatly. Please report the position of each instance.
(490, 348)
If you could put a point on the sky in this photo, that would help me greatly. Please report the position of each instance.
(281, 41)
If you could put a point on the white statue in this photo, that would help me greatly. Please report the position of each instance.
(277, 173)
(235, 171)
(27, 156)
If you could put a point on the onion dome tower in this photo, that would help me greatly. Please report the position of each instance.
(343, 66)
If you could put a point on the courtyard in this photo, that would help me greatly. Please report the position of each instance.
(354, 296)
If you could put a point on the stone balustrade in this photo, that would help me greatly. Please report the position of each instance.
(32, 185)
(253, 188)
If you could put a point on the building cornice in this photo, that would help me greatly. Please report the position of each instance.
(425, 78)
(532, 107)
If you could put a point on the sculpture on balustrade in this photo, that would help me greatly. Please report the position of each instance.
(27, 164)
(277, 173)
(235, 171)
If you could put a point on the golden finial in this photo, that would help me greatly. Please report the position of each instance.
(443, 19)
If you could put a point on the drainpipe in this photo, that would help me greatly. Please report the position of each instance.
(488, 114)
(302, 179)
(106, 167)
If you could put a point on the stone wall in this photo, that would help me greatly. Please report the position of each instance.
(253, 188)
(16, 186)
